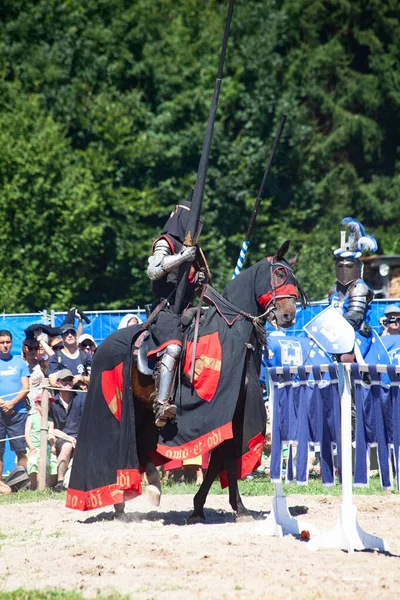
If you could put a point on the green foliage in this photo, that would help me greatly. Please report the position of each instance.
(103, 109)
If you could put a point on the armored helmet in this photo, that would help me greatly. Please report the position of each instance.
(347, 258)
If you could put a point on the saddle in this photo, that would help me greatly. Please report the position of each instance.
(143, 363)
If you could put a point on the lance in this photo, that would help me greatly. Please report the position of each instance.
(253, 217)
(192, 232)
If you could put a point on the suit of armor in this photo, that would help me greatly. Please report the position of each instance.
(352, 299)
(168, 254)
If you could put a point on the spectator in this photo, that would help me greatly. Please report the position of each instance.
(391, 333)
(56, 343)
(128, 320)
(14, 386)
(70, 357)
(87, 344)
(73, 313)
(37, 366)
(66, 412)
(391, 321)
(42, 333)
(32, 438)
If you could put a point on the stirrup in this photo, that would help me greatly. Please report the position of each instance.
(163, 412)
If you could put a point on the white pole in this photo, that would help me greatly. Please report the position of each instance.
(43, 442)
(347, 474)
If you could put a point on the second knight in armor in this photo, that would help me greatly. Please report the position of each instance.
(168, 254)
(350, 294)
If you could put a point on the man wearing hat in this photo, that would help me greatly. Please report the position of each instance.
(87, 344)
(391, 332)
(72, 358)
(65, 412)
(391, 321)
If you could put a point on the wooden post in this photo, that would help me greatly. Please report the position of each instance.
(43, 441)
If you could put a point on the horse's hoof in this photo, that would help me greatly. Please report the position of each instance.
(153, 495)
(243, 518)
(195, 519)
(121, 516)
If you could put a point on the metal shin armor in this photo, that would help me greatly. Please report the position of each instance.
(348, 270)
(166, 373)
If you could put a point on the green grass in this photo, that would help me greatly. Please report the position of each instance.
(262, 486)
(21, 594)
(25, 496)
(259, 486)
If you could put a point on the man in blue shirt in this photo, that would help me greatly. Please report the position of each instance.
(14, 386)
(72, 358)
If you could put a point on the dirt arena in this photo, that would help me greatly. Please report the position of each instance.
(156, 555)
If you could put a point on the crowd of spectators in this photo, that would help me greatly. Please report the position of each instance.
(58, 359)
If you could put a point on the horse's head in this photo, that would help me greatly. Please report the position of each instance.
(279, 304)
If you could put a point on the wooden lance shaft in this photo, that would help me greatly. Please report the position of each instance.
(198, 192)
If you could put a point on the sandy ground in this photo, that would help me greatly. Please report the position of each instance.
(156, 555)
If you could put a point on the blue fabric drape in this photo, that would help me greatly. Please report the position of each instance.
(377, 422)
(306, 411)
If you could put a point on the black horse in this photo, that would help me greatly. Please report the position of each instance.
(266, 291)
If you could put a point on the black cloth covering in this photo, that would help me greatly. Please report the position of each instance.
(106, 467)
(225, 401)
(220, 405)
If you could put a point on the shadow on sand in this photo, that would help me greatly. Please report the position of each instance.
(180, 518)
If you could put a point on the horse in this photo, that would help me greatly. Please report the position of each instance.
(273, 300)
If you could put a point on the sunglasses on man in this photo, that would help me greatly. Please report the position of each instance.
(87, 344)
(56, 347)
(69, 332)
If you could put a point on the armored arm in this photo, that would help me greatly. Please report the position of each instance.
(360, 296)
(163, 261)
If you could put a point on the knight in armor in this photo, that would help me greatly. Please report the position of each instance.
(165, 345)
(351, 295)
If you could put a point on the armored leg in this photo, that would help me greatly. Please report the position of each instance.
(165, 373)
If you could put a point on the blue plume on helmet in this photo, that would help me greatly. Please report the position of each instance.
(358, 240)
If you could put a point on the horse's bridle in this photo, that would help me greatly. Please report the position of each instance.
(283, 290)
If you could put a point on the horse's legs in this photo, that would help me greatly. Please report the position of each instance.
(235, 500)
(153, 490)
(200, 498)
(120, 511)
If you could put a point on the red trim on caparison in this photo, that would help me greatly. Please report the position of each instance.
(200, 445)
(153, 353)
(248, 462)
(128, 486)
